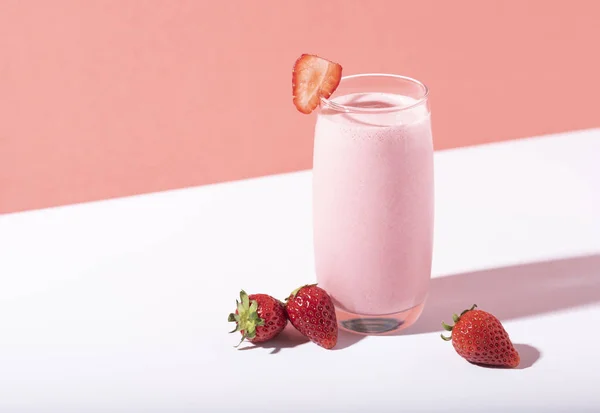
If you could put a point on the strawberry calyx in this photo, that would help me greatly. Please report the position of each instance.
(246, 317)
(295, 292)
(455, 318)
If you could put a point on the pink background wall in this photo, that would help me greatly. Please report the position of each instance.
(101, 99)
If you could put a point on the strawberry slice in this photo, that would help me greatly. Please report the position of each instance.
(312, 78)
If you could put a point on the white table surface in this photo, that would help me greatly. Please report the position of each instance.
(121, 305)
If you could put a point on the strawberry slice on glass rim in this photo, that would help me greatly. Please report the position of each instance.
(313, 78)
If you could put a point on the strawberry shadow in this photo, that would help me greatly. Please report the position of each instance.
(346, 339)
(512, 292)
(288, 338)
(529, 356)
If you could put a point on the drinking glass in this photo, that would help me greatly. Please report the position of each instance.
(373, 201)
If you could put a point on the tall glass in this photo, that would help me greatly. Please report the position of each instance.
(373, 206)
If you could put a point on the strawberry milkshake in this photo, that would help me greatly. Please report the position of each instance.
(372, 192)
(373, 201)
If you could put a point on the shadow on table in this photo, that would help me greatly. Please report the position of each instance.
(290, 338)
(529, 355)
(512, 292)
(346, 339)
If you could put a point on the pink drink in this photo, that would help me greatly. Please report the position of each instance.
(373, 202)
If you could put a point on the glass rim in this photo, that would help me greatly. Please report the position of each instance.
(329, 103)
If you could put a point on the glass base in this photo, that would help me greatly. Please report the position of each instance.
(378, 324)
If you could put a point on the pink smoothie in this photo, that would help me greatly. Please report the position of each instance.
(373, 204)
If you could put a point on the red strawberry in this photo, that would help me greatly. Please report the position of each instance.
(312, 78)
(480, 338)
(258, 317)
(311, 311)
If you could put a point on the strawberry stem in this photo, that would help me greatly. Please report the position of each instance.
(241, 341)
(472, 308)
(446, 338)
(447, 327)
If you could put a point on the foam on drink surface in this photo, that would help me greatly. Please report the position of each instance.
(392, 110)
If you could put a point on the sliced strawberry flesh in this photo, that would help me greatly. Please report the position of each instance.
(314, 78)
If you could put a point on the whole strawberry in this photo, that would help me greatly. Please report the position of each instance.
(258, 317)
(312, 313)
(480, 338)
